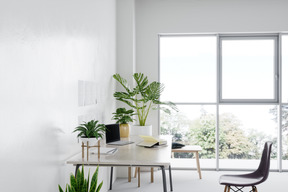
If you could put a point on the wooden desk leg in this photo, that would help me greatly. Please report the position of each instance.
(138, 176)
(198, 165)
(129, 174)
(152, 175)
(135, 174)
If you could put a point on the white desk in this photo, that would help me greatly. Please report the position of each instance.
(130, 156)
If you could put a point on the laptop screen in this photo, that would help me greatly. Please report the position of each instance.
(112, 133)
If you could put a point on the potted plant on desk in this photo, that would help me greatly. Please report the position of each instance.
(142, 98)
(123, 117)
(90, 131)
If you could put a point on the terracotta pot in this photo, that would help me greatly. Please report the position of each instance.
(124, 130)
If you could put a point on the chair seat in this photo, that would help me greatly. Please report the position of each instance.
(240, 180)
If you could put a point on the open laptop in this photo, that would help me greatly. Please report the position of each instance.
(113, 135)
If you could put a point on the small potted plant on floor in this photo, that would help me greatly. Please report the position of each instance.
(123, 117)
(90, 131)
(80, 184)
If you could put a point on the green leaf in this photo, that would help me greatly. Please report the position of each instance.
(92, 187)
(60, 189)
(80, 184)
(88, 181)
(99, 187)
(80, 179)
(73, 181)
(123, 116)
(122, 81)
(143, 97)
(91, 129)
(94, 179)
(84, 186)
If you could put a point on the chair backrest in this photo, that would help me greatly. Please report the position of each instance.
(264, 166)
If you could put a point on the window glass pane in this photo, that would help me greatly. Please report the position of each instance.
(248, 69)
(192, 125)
(188, 68)
(285, 69)
(243, 131)
(285, 137)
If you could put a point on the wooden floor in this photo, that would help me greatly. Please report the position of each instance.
(188, 181)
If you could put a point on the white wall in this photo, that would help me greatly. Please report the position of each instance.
(45, 48)
(126, 39)
(199, 16)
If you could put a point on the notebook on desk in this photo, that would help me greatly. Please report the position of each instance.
(113, 135)
(149, 141)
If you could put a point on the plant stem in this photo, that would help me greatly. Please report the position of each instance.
(138, 111)
(142, 121)
(147, 112)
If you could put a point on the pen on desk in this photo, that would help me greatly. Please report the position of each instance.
(112, 151)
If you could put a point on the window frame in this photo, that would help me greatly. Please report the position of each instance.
(275, 38)
(216, 64)
(278, 93)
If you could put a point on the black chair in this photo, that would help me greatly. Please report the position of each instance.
(250, 179)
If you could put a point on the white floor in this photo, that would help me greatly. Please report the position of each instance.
(188, 181)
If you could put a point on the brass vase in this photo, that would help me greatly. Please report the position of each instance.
(124, 130)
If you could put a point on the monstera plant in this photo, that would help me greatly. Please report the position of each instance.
(143, 97)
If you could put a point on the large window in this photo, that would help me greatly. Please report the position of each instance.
(243, 130)
(284, 112)
(248, 69)
(188, 68)
(231, 91)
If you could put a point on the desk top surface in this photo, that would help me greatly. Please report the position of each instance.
(188, 148)
(128, 155)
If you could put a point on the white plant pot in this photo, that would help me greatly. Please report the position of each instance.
(141, 130)
(92, 141)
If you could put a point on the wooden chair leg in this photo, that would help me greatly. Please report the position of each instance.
(228, 188)
(129, 174)
(254, 189)
(225, 188)
(152, 175)
(136, 171)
